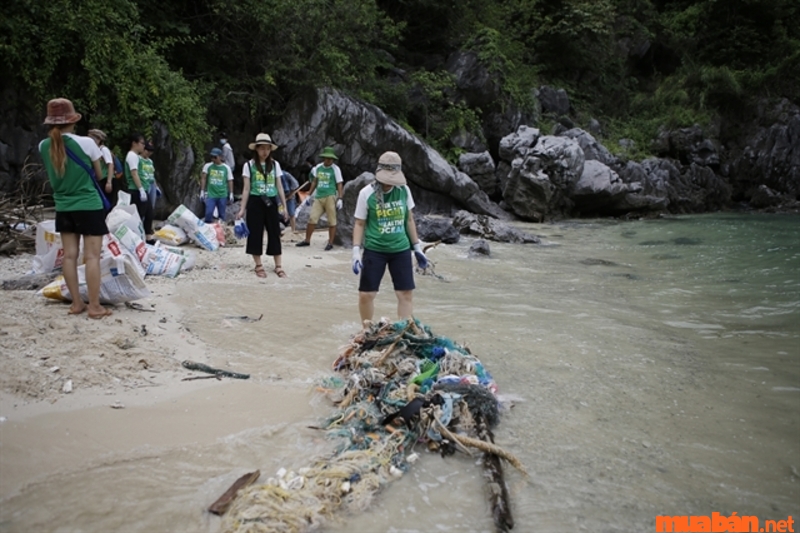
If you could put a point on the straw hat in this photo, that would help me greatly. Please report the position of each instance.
(263, 138)
(61, 111)
(390, 170)
(328, 153)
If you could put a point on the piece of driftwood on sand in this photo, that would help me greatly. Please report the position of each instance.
(224, 502)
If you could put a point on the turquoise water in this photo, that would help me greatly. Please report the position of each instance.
(654, 368)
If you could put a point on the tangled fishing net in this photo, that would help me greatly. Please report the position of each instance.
(396, 384)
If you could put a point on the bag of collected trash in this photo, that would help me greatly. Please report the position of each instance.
(125, 215)
(123, 198)
(161, 262)
(49, 251)
(113, 249)
(171, 235)
(220, 232)
(132, 242)
(189, 256)
(120, 282)
(198, 231)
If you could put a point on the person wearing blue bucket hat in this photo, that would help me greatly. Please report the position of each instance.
(216, 185)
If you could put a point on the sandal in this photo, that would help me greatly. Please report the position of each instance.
(279, 272)
(259, 270)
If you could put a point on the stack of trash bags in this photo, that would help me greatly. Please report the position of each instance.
(398, 388)
(126, 259)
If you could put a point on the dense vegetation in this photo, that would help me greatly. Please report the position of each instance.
(634, 64)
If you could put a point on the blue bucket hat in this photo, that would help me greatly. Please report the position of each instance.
(216, 152)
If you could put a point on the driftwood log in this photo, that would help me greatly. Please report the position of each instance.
(496, 483)
(31, 282)
(224, 502)
(200, 367)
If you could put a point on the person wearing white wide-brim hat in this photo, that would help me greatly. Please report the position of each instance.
(262, 197)
(385, 227)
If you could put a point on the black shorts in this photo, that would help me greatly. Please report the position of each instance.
(82, 222)
(374, 267)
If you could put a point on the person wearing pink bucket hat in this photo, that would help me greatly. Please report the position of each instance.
(69, 160)
(384, 225)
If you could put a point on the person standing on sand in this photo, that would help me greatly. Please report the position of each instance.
(384, 224)
(260, 196)
(136, 183)
(107, 166)
(326, 195)
(216, 186)
(79, 209)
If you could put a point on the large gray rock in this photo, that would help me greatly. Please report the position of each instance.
(474, 82)
(553, 101)
(599, 190)
(345, 217)
(771, 155)
(489, 228)
(687, 145)
(517, 144)
(691, 189)
(364, 133)
(174, 163)
(541, 183)
(481, 168)
(432, 229)
(591, 148)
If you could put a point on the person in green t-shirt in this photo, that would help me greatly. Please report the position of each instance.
(216, 186)
(137, 182)
(326, 195)
(261, 195)
(384, 225)
(68, 159)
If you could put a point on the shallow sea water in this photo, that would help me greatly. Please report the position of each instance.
(655, 368)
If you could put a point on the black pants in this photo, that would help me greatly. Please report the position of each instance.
(259, 217)
(145, 210)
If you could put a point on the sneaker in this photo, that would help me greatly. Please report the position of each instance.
(328, 247)
(303, 243)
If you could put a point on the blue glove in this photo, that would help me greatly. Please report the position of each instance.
(309, 201)
(422, 261)
(240, 229)
(357, 265)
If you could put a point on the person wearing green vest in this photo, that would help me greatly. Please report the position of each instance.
(385, 227)
(79, 208)
(326, 195)
(216, 186)
(137, 181)
(262, 193)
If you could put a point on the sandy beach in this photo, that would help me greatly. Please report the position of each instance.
(627, 405)
(125, 371)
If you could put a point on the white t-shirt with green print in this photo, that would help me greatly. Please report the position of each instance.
(217, 178)
(386, 215)
(327, 178)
